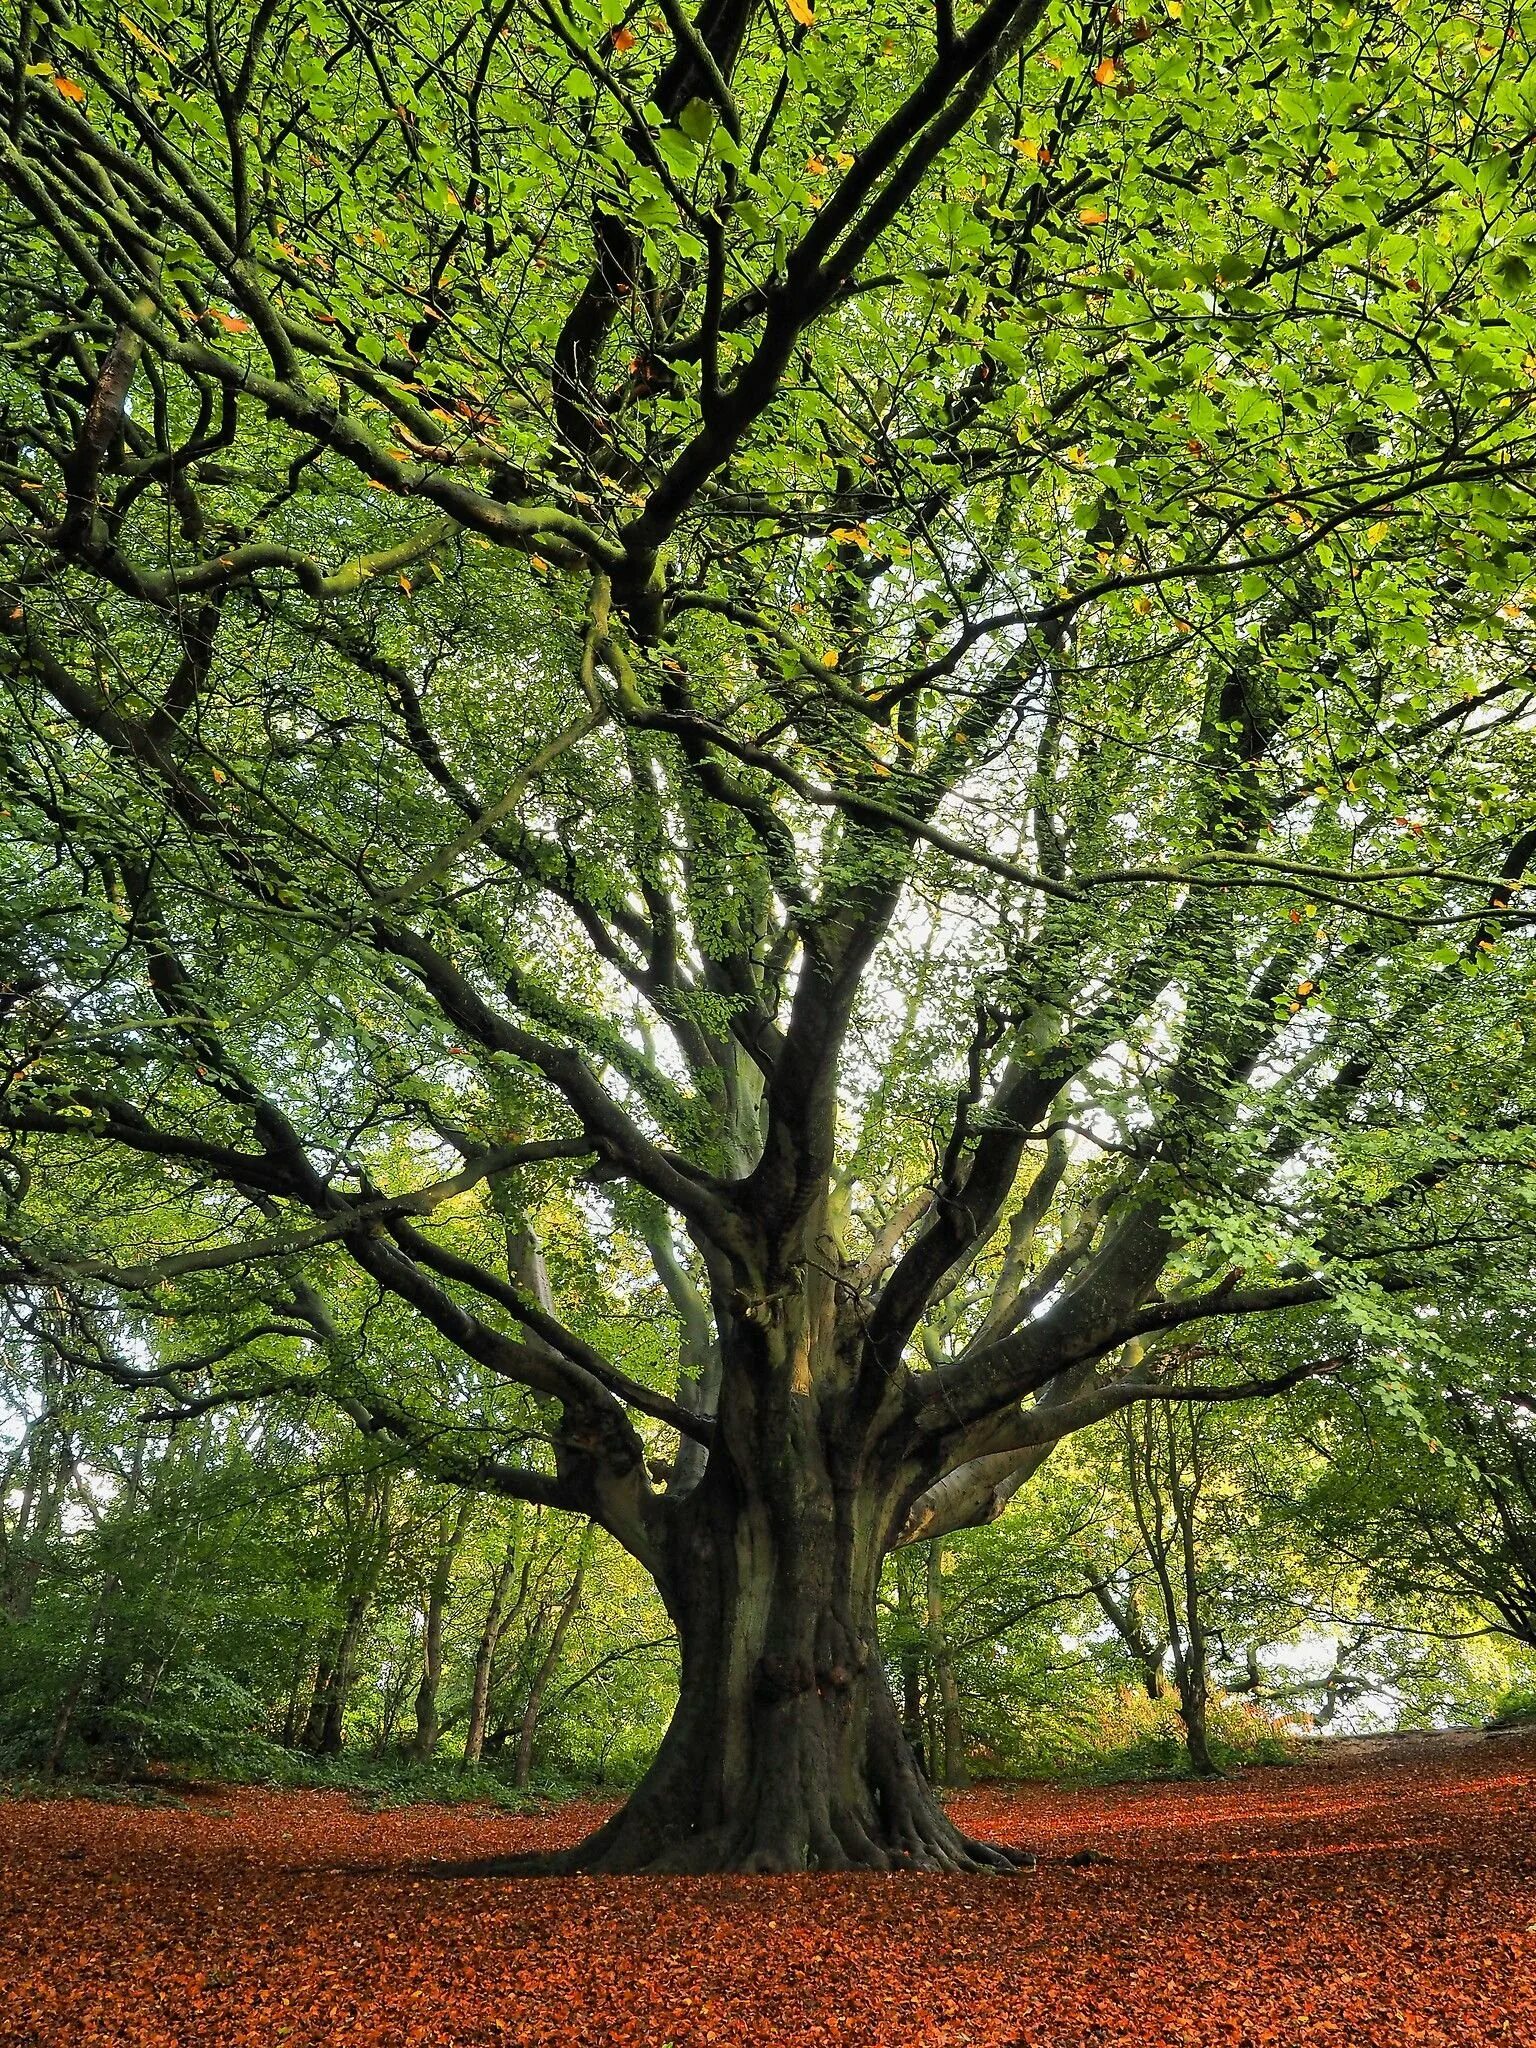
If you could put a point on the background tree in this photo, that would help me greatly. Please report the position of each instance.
(737, 741)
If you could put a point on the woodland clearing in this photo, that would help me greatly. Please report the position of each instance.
(1384, 1898)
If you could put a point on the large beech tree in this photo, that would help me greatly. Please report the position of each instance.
(750, 752)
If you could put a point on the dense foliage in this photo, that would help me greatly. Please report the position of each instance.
(753, 759)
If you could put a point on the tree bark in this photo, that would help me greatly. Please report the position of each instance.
(497, 1620)
(948, 1751)
(786, 1751)
(528, 1726)
(450, 1536)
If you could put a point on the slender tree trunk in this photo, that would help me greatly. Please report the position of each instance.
(1125, 1618)
(451, 1535)
(523, 1768)
(949, 1749)
(314, 1720)
(497, 1621)
(341, 1678)
(63, 1718)
(911, 1659)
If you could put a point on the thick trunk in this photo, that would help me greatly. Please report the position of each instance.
(786, 1751)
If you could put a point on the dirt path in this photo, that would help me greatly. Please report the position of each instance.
(1370, 1902)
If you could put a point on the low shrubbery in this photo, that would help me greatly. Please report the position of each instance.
(1109, 1737)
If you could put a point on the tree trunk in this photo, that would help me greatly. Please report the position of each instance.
(450, 1536)
(786, 1751)
(497, 1621)
(910, 1658)
(948, 1751)
(64, 1717)
(523, 1769)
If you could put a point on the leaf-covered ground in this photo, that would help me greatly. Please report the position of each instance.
(1368, 1903)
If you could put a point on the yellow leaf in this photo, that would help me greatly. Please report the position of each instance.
(803, 12)
(842, 159)
(540, 564)
(405, 584)
(148, 42)
(815, 167)
(1143, 604)
(1377, 533)
(1305, 988)
(852, 536)
(1026, 147)
(1175, 10)
(70, 90)
(1104, 71)
(218, 775)
(1092, 216)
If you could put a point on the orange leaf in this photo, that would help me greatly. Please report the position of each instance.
(803, 12)
(624, 39)
(230, 324)
(1104, 71)
(1093, 216)
(70, 90)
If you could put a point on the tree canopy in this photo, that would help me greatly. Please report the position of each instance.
(754, 757)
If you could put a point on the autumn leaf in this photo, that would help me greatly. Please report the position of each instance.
(1104, 72)
(230, 322)
(624, 39)
(803, 12)
(1092, 216)
(70, 90)
(830, 658)
(852, 536)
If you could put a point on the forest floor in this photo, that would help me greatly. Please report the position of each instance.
(1363, 1900)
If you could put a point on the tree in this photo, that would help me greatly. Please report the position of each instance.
(737, 740)
(1429, 1489)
